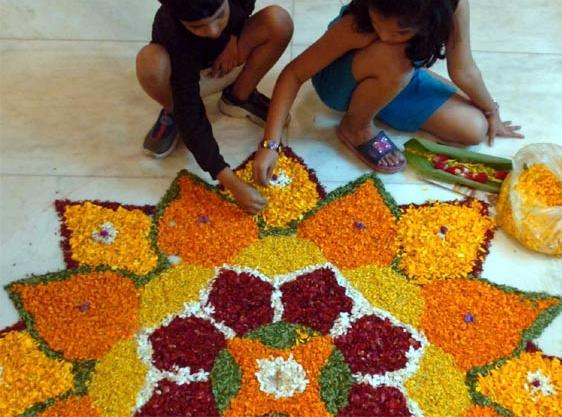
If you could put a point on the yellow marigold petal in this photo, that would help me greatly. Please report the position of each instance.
(285, 203)
(280, 255)
(438, 386)
(131, 248)
(28, 376)
(512, 386)
(386, 289)
(118, 378)
(167, 293)
(442, 240)
(72, 407)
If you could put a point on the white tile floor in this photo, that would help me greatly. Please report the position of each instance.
(72, 120)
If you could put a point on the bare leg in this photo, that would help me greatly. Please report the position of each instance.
(263, 40)
(153, 72)
(383, 71)
(458, 122)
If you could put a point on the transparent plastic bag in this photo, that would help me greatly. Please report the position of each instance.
(530, 203)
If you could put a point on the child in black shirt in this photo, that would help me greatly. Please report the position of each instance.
(225, 39)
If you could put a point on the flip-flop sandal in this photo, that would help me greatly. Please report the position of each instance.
(372, 152)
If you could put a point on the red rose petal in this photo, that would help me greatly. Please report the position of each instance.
(241, 301)
(315, 300)
(383, 401)
(191, 341)
(376, 346)
(188, 400)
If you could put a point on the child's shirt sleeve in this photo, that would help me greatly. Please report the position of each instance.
(189, 110)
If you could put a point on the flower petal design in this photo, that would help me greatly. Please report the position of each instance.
(225, 231)
(315, 300)
(72, 407)
(444, 240)
(186, 342)
(479, 411)
(476, 322)
(168, 292)
(241, 300)
(348, 229)
(252, 401)
(85, 314)
(530, 385)
(386, 289)
(365, 400)
(117, 236)
(28, 376)
(375, 346)
(117, 380)
(170, 399)
(294, 190)
(438, 386)
(279, 255)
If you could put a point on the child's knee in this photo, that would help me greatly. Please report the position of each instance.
(475, 130)
(279, 22)
(153, 64)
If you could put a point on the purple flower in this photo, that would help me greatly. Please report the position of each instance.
(359, 225)
(204, 219)
(84, 307)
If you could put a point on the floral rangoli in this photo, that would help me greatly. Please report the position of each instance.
(342, 305)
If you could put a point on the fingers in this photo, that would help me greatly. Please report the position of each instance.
(222, 67)
(265, 175)
(510, 131)
(256, 204)
(215, 71)
(254, 207)
(260, 173)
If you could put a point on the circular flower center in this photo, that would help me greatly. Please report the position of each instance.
(106, 234)
(280, 180)
(281, 377)
(539, 384)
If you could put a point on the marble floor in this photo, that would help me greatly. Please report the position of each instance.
(72, 119)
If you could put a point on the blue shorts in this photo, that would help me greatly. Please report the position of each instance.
(423, 95)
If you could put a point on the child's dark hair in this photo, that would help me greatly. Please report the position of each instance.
(191, 10)
(432, 20)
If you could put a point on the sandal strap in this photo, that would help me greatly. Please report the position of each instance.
(377, 147)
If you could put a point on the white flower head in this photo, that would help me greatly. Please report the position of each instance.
(282, 378)
(280, 180)
(106, 233)
(539, 385)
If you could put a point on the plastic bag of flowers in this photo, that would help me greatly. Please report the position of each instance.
(530, 202)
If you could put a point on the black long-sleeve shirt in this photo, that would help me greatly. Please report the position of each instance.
(189, 54)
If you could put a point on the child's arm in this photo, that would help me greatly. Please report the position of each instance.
(466, 75)
(339, 39)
